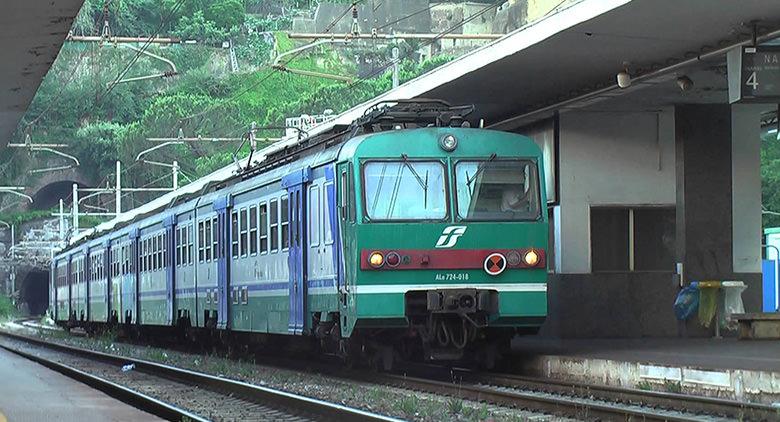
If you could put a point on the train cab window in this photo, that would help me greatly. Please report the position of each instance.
(234, 234)
(285, 214)
(504, 190)
(253, 230)
(405, 190)
(314, 215)
(326, 222)
(274, 231)
(243, 230)
(263, 228)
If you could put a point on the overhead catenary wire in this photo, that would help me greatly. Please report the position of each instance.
(242, 92)
(433, 40)
(143, 48)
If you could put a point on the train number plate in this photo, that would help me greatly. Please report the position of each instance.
(452, 277)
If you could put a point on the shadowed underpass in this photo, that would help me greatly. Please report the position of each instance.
(34, 292)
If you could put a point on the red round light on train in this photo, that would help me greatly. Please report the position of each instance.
(392, 259)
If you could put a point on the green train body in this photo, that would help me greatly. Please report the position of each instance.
(427, 242)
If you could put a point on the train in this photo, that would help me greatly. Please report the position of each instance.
(407, 234)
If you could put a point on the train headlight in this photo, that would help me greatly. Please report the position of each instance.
(376, 259)
(531, 258)
(448, 143)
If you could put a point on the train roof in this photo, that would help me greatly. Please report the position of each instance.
(330, 137)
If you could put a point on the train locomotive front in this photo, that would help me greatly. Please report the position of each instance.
(444, 236)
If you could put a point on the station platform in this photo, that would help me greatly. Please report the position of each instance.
(726, 368)
(31, 392)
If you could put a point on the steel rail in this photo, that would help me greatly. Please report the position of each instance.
(126, 395)
(279, 398)
(560, 405)
(667, 400)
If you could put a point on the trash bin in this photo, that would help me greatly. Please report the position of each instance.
(731, 303)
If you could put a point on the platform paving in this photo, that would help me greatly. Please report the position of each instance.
(738, 369)
(31, 392)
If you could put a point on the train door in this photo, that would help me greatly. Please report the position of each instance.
(170, 267)
(71, 279)
(87, 280)
(220, 255)
(297, 259)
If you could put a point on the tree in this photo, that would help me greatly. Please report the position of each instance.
(226, 14)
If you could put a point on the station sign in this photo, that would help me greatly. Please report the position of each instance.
(754, 74)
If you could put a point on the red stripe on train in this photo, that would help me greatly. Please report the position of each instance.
(448, 259)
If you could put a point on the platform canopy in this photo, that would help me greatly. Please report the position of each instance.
(31, 35)
(577, 52)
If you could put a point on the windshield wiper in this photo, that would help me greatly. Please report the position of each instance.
(480, 169)
(423, 183)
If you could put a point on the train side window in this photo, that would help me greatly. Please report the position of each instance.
(147, 255)
(314, 215)
(130, 255)
(178, 246)
(253, 230)
(327, 229)
(263, 228)
(343, 210)
(208, 240)
(164, 261)
(285, 215)
(274, 231)
(201, 235)
(158, 253)
(190, 244)
(216, 252)
(234, 233)
(243, 229)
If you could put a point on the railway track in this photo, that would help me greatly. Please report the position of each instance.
(699, 405)
(178, 394)
(572, 399)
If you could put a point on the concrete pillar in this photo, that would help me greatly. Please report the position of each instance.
(703, 159)
(746, 200)
(718, 196)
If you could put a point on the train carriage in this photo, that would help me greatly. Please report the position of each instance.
(406, 233)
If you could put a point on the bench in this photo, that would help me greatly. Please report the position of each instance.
(758, 326)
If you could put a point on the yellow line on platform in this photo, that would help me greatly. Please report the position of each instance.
(3, 418)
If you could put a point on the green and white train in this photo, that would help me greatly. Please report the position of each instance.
(405, 234)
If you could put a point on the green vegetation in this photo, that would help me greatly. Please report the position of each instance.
(7, 309)
(770, 179)
(73, 104)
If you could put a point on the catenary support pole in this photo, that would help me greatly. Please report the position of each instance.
(175, 175)
(75, 209)
(118, 187)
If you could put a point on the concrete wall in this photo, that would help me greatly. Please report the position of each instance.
(609, 159)
(386, 12)
(669, 157)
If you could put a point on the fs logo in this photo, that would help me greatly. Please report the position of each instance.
(450, 235)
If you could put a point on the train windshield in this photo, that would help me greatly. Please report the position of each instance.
(405, 190)
(503, 190)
